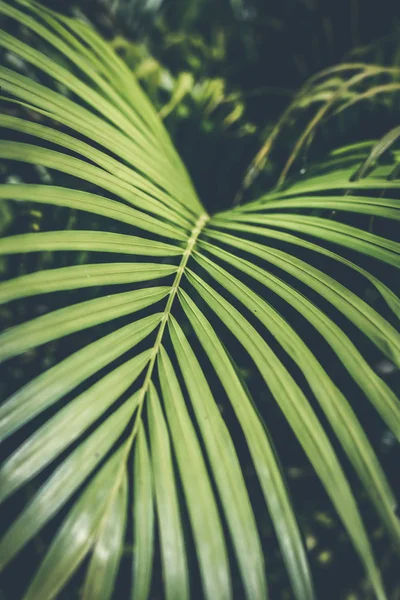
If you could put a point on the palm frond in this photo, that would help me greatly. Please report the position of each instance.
(331, 91)
(127, 423)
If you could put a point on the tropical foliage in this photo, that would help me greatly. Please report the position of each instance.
(158, 310)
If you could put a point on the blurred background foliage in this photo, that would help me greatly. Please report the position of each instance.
(222, 73)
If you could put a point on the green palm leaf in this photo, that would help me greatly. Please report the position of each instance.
(143, 523)
(126, 426)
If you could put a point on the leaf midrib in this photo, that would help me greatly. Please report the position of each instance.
(200, 223)
(174, 290)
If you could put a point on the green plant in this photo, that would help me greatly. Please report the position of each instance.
(130, 419)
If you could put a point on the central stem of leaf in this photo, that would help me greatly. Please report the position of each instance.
(167, 311)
